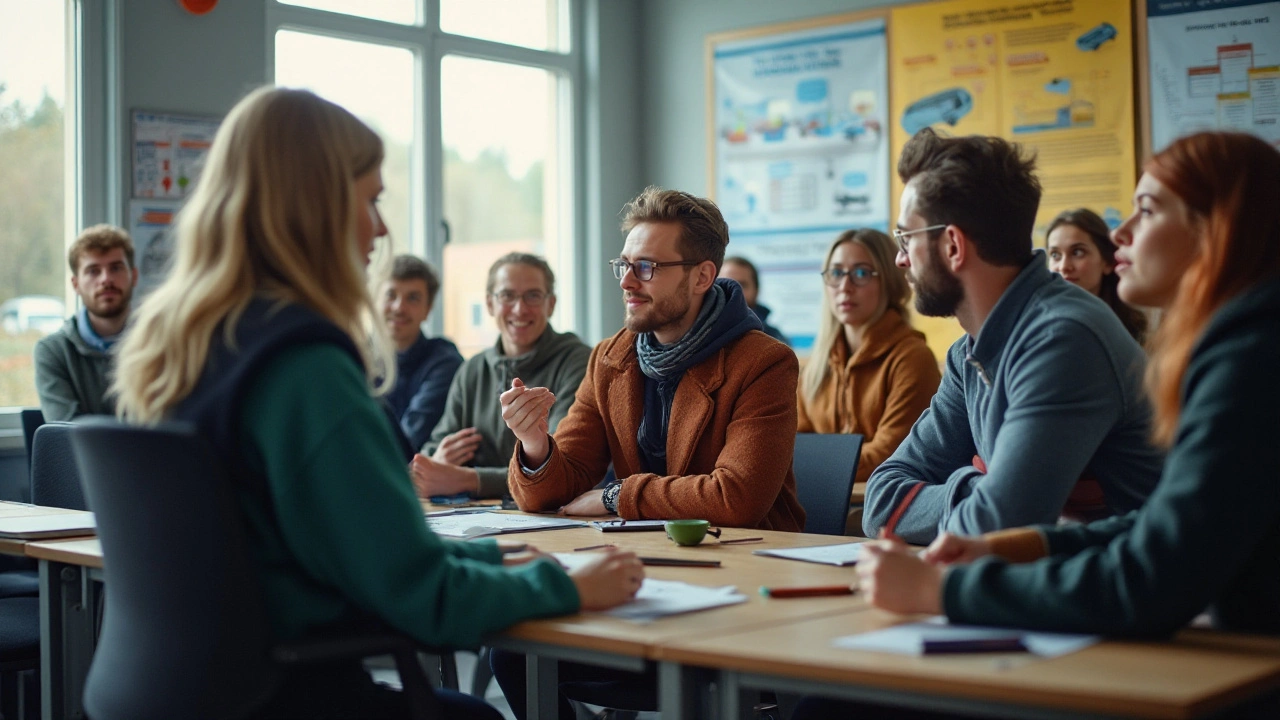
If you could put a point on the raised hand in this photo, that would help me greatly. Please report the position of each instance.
(526, 411)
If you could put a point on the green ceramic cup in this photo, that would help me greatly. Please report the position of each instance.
(690, 532)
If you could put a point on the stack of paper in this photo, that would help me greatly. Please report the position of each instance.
(842, 554)
(479, 524)
(663, 598)
(911, 638)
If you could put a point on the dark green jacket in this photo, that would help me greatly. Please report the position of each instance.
(1208, 537)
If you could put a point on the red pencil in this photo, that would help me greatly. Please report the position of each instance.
(800, 592)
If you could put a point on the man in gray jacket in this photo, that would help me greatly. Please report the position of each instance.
(471, 445)
(74, 365)
(1041, 413)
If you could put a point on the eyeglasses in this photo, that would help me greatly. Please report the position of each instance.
(902, 235)
(643, 269)
(532, 298)
(860, 275)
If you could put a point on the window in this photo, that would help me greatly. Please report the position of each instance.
(375, 82)
(499, 124)
(396, 11)
(33, 157)
(494, 81)
(527, 23)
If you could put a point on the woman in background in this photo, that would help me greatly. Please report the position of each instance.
(1080, 250)
(264, 337)
(869, 373)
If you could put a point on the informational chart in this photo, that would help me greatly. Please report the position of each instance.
(1214, 66)
(168, 152)
(799, 132)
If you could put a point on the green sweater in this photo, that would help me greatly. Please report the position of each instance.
(1209, 535)
(348, 531)
(558, 361)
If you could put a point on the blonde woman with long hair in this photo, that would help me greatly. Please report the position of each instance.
(869, 373)
(264, 337)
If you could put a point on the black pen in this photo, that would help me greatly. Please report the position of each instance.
(679, 562)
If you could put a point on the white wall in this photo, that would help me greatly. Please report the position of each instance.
(176, 62)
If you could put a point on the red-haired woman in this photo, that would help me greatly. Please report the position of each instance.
(1203, 243)
(1080, 250)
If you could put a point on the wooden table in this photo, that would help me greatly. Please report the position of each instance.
(599, 639)
(1198, 674)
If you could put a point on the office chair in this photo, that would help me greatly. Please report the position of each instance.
(186, 631)
(55, 477)
(32, 418)
(19, 652)
(825, 466)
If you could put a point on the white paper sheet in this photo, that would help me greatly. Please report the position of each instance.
(842, 554)
(471, 525)
(909, 638)
(662, 598)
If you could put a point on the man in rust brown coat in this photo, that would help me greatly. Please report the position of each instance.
(691, 402)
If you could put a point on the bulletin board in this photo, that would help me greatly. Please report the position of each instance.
(1209, 65)
(798, 149)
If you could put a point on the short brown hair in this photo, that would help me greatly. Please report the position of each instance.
(410, 267)
(982, 185)
(519, 258)
(99, 239)
(703, 231)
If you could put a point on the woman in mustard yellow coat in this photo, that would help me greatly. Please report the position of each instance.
(870, 373)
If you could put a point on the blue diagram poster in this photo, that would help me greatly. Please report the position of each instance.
(801, 155)
(1215, 65)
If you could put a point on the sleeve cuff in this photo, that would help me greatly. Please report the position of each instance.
(1018, 545)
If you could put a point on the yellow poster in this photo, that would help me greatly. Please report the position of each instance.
(1053, 75)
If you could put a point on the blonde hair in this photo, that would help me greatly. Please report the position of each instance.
(273, 215)
(894, 293)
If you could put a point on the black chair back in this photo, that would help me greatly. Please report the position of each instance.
(32, 418)
(55, 475)
(185, 632)
(825, 466)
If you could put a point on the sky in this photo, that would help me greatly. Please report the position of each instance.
(31, 50)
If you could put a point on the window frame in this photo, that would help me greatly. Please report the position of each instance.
(429, 45)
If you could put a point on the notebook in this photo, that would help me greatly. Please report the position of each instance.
(35, 527)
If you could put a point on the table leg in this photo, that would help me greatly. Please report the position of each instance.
(543, 687)
(684, 692)
(67, 613)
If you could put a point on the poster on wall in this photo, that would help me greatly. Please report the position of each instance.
(168, 152)
(1215, 65)
(798, 124)
(150, 227)
(1054, 75)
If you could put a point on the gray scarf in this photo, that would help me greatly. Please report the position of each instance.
(664, 362)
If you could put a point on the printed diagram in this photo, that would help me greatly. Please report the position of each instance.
(1064, 110)
(1093, 39)
(947, 107)
(168, 152)
(807, 143)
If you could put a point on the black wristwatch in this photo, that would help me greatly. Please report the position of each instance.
(610, 496)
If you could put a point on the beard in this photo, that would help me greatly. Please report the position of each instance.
(938, 292)
(103, 309)
(661, 313)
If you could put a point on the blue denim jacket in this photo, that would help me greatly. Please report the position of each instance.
(1049, 390)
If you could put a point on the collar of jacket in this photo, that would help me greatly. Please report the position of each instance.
(527, 363)
(994, 334)
(620, 354)
(880, 338)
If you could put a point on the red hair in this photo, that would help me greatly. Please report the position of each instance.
(1230, 183)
